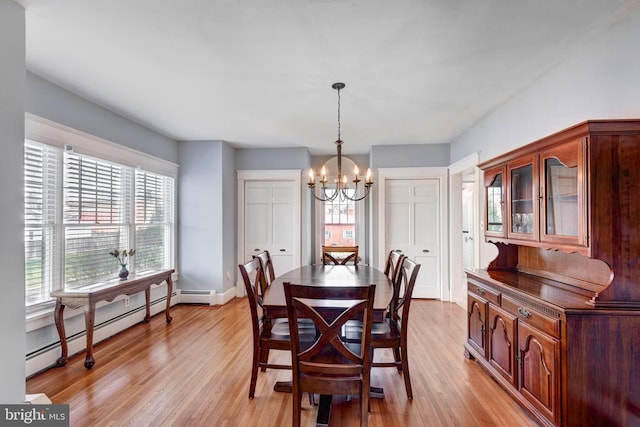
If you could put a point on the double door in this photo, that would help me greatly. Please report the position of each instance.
(412, 225)
(271, 222)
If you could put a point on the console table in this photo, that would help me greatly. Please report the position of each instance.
(89, 295)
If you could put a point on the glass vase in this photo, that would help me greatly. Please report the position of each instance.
(123, 273)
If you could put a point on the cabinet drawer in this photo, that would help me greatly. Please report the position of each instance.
(540, 321)
(484, 292)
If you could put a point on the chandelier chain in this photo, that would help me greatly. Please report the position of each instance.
(338, 114)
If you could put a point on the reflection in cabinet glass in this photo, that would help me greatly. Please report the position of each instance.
(522, 199)
(561, 198)
(494, 205)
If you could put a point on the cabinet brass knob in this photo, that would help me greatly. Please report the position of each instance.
(480, 291)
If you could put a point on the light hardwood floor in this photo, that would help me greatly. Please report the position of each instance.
(195, 372)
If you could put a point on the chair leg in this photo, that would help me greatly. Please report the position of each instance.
(264, 357)
(254, 372)
(405, 372)
(364, 405)
(397, 358)
(297, 406)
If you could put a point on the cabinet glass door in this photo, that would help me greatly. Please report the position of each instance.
(522, 221)
(561, 198)
(562, 181)
(495, 198)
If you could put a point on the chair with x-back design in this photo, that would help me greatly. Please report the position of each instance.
(329, 366)
(340, 255)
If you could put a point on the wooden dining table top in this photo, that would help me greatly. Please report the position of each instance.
(329, 275)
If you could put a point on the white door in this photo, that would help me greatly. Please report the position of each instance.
(269, 222)
(412, 225)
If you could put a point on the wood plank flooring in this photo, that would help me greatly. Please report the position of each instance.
(195, 372)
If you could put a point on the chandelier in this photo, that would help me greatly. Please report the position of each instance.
(340, 186)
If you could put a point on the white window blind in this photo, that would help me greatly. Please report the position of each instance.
(97, 217)
(79, 208)
(153, 220)
(42, 172)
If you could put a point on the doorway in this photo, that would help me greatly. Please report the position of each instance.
(464, 233)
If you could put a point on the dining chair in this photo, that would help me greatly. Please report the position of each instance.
(392, 267)
(329, 366)
(268, 275)
(340, 255)
(267, 335)
(392, 332)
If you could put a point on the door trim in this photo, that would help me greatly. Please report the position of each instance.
(292, 175)
(456, 170)
(439, 173)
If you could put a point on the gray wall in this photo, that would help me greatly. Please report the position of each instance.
(418, 155)
(271, 158)
(200, 218)
(52, 102)
(207, 223)
(229, 216)
(12, 90)
(600, 81)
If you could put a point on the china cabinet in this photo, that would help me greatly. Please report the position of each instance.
(555, 317)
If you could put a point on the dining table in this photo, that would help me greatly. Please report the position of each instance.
(275, 305)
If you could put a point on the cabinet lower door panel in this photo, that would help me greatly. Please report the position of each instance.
(539, 368)
(477, 318)
(502, 345)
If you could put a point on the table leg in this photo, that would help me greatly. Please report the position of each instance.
(169, 292)
(376, 392)
(324, 410)
(59, 319)
(147, 299)
(89, 318)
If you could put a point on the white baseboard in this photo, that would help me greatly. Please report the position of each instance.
(206, 297)
(37, 399)
(226, 296)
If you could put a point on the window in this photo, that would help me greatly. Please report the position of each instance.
(339, 222)
(78, 208)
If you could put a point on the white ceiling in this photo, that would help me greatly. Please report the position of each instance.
(259, 72)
